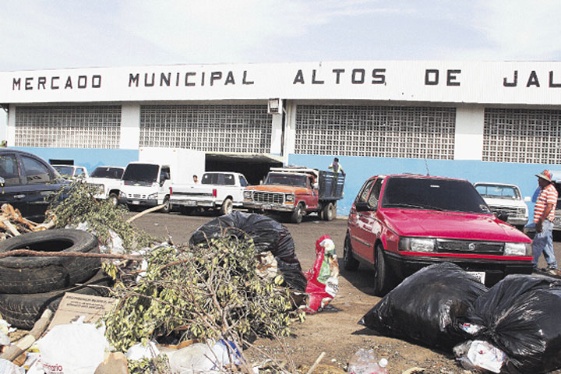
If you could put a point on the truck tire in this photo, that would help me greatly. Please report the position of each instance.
(167, 205)
(349, 262)
(329, 212)
(227, 206)
(384, 280)
(22, 311)
(28, 274)
(113, 199)
(297, 214)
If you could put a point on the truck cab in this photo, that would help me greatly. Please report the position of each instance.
(295, 192)
(146, 185)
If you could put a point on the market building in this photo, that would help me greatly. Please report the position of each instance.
(482, 121)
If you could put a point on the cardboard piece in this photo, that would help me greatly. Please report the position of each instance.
(74, 305)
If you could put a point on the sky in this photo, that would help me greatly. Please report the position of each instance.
(57, 34)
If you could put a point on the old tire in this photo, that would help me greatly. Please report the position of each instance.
(227, 206)
(349, 262)
(22, 311)
(329, 212)
(30, 275)
(297, 214)
(384, 280)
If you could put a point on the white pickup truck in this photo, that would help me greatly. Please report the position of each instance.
(218, 190)
(108, 180)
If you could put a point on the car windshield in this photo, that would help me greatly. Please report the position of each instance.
(436, 194)
(105, 172)
(65, 170)
(141, 173)
(287, 179)
(498, 191)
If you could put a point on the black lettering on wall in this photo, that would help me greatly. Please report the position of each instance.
(358, 76)
(230, 79)
(338, 73)
(244, 80)
(431, 77)
(379, 76)
(514, 81)
(299, 78)
(533, 80)
(214, 76)
(314, 79)
(187, 83)
(133, 80)
(452, 76)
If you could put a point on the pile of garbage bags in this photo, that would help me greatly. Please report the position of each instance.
(512, 327)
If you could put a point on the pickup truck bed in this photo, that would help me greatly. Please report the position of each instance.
(220, 191)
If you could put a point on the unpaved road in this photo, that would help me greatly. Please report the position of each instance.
(335, 331)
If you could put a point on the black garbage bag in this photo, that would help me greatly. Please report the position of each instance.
(521, 315)
(428, 307)
(267, 235)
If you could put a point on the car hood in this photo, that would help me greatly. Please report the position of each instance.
(451, 225)
(278, 188)
(95, 180)
(505, 202)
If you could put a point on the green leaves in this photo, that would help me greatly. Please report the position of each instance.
(101, 216)
(211, 290)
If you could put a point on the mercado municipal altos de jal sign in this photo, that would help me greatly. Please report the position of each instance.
(441, 81)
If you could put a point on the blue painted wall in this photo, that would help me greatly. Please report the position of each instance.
(358, 169)
(89, 158)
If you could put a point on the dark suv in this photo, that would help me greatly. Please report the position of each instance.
(28, 183)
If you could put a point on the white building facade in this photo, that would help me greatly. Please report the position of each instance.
(482, 121)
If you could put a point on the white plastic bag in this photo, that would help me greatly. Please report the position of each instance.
(202, 358)
(7, 367)
(76, 348)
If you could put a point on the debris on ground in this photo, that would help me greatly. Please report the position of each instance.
(221, 291)
(512, 327)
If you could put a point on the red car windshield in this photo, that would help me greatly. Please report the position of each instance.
(435, 194)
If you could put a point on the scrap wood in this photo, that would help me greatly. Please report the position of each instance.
(15, 350)
(12, 221)
(153, 209)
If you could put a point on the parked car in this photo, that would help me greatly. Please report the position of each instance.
(28, 183)
(219, 191)
(108, 180)
(505, 200)
(399, 224)
(72, 171)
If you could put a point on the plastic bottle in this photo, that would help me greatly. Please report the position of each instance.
(364, 362)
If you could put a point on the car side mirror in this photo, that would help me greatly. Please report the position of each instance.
(363, 206)
(503, 216)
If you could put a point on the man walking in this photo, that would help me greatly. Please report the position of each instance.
(544, 213)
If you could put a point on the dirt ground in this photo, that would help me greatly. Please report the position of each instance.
(336, 331)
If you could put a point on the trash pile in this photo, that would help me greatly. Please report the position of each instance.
(512, 327)
(93, 294)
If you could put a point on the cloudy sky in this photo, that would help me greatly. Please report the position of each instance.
(53, 34)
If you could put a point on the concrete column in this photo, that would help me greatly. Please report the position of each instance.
(469, 133)
(130, 126)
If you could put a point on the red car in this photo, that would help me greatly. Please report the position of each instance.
(399, 224)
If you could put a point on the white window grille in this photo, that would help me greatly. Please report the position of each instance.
(210, 128)
(522, 136)
(68, 126)
(376, 131)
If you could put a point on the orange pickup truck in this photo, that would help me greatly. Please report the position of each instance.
(296, 192)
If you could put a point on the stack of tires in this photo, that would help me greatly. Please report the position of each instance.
(30, 284)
